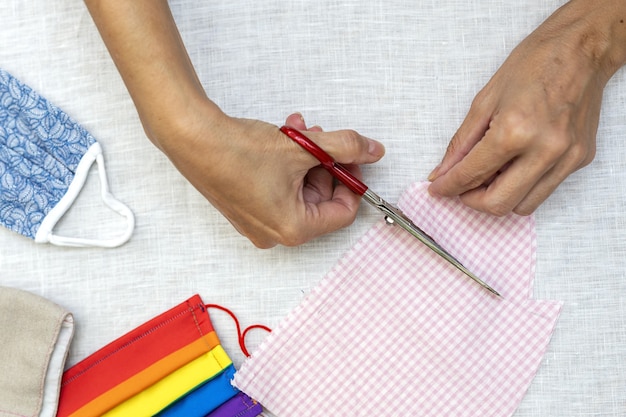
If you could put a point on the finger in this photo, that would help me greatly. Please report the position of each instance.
(480, 166)
(577, 158)
(540, 192)
(337, 213)
(470, 132)
(296, 120)
(324, 207)
(318, 185)
(528, 180)
(506, 190)
(330, 207)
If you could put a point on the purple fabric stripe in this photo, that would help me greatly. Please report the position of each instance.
(239, 406)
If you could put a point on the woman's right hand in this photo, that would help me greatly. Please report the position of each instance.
(267, 186)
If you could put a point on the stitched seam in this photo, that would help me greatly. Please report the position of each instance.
(131, 342)
(195, 320)
(49, 352)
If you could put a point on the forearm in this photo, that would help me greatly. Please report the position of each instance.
(147, 49)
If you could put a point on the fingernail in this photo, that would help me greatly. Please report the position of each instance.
(375, 148)
(433, 175)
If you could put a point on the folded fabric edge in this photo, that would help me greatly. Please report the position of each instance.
(205, 398)
(174, 386)
(60, 350)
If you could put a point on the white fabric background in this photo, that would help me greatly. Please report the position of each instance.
(402, 72)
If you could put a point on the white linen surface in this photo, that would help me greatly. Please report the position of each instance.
(402, 72)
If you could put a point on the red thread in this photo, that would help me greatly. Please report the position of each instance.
(241, 336)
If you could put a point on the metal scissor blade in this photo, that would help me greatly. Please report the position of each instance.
(394, 215)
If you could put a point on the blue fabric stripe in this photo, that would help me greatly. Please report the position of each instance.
(205, 398)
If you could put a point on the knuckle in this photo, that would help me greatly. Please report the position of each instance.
(290, 236)
(498, 207)
(519, 132)
(454, 143)
(582, 155)
(490, 204)
(261, 243)
(480, 101)
(469, 179)
(351, 141)
(350, 135)
(590, 157)
(574, 154)
(346, 221)
(347, 145)
(557, 145)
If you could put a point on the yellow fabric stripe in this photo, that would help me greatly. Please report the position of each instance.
(155, 398)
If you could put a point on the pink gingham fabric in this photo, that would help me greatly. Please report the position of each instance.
(394, 330)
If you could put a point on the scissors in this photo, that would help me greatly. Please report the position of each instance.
(393, 215)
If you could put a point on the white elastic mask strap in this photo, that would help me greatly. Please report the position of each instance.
(47, 235)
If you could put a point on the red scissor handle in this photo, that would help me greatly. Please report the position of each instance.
(337, 170)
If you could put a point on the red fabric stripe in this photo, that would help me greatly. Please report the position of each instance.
(133, 352)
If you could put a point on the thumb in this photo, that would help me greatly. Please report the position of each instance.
(348, 146)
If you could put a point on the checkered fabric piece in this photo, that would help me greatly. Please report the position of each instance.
(394, 330)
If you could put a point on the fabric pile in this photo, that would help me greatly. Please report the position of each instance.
(172, 365)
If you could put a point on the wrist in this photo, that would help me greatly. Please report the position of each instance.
(144, 42)
(597, 30)
(176, 125)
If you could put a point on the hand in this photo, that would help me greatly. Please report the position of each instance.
(270, 189)
(535, 121)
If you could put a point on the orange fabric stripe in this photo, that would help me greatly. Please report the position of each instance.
(147, 377)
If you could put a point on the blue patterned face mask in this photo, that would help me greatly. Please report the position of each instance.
(44, 160)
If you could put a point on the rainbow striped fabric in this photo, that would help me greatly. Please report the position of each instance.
(172, 365)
